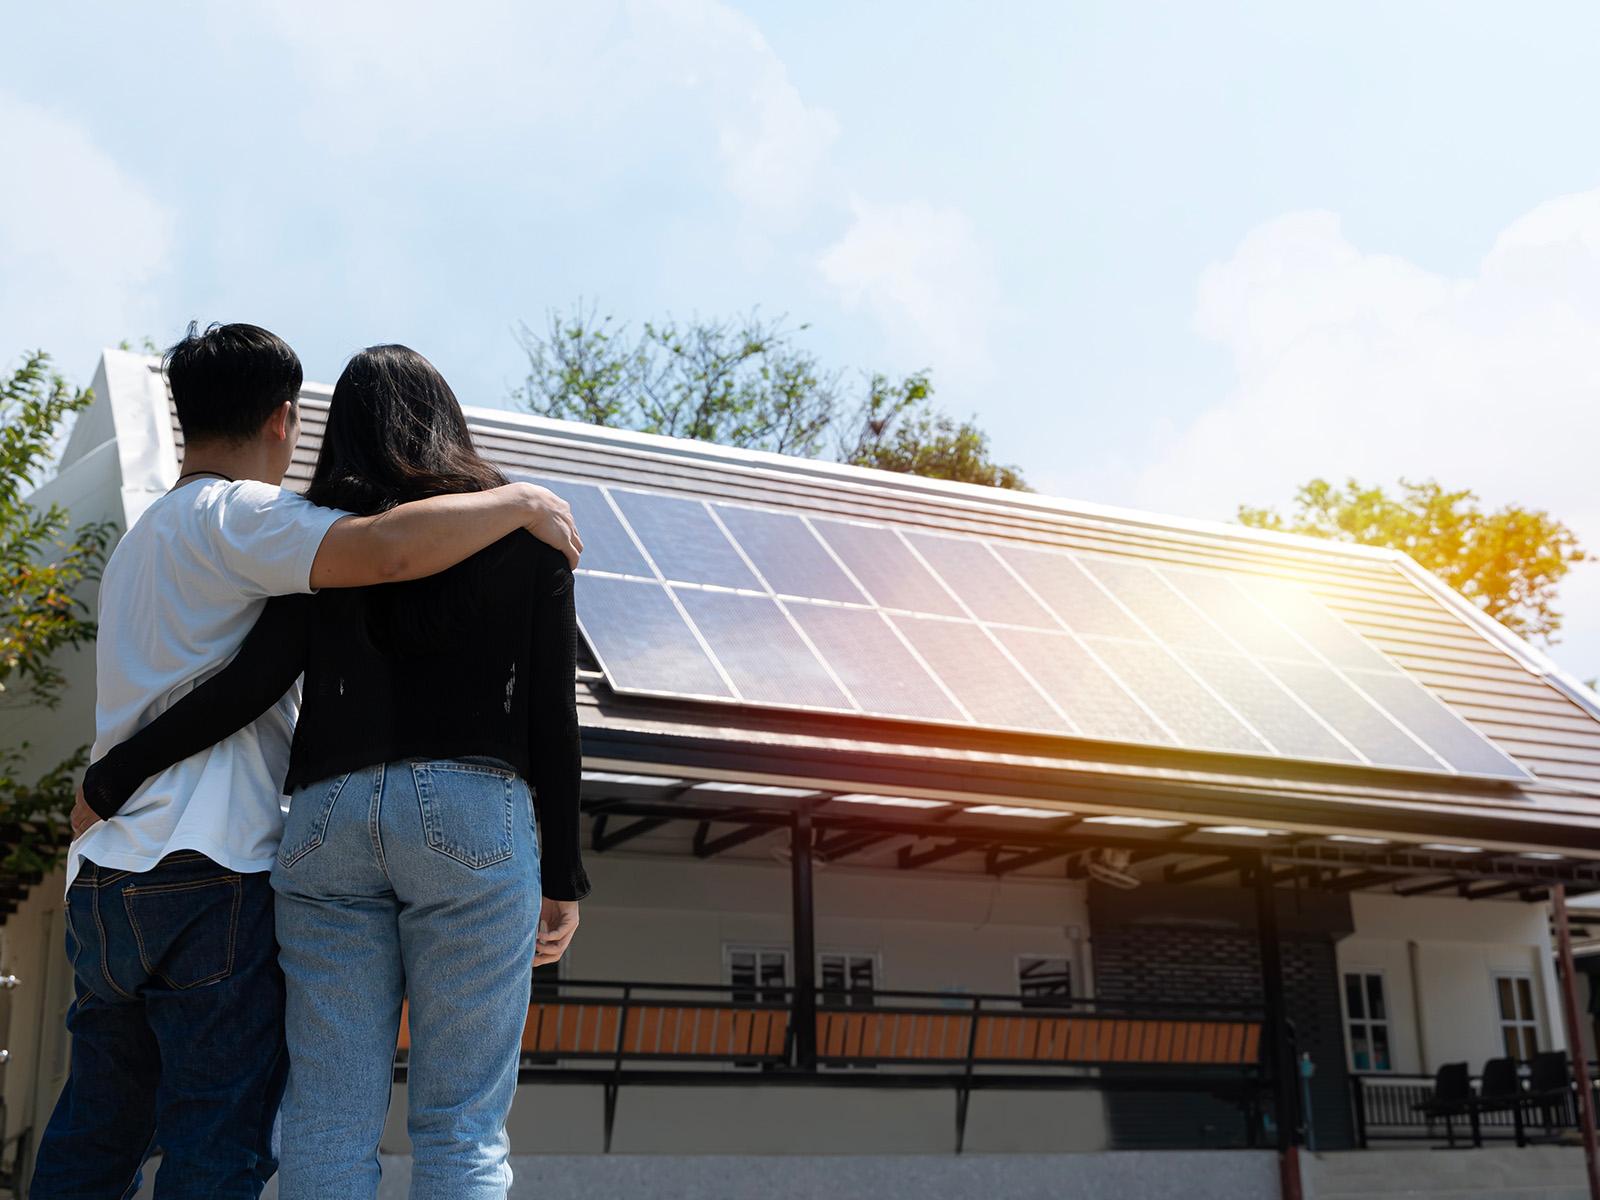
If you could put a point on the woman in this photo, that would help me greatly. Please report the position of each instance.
(411, 864)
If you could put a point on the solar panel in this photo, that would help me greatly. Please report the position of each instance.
(1182, 703)
(765, 657)
(683, 539)
(606, 544)
(1163, 610)
(877, 668)
(1236, 615)
(641, 640)
(1449, 736)
(1081, 604)
(1267, 706)
(861, 618)
(788, 554)
(1330, 695)
(986, 683)
(1099, 705)
(1309, 619)
(992, 593)
(888, 570)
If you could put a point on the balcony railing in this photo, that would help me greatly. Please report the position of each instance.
(643, 1024)
(1391, 1107)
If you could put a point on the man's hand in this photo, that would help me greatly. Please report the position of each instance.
(558, 921)
(82, 815)
(551, 521)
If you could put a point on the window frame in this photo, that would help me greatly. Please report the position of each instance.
(1024, 1000)
(1530, 1024)
(1366, 1020)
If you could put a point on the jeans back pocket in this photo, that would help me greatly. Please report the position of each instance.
(467, 810)
(307, 823)
(186, 931)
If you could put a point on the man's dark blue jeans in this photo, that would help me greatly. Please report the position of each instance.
(177, 1035)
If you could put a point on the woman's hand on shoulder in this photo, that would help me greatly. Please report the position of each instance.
(550, 520)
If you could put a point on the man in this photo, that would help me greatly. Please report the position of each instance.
(177, 1025)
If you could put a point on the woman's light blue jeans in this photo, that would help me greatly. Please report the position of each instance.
(415, 878)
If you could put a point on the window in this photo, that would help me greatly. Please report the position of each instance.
(1366, 1014)
(758, 973)
(1519, 1024)
(847, 978)
(1043, 982)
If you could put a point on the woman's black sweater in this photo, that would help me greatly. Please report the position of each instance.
(477, 660)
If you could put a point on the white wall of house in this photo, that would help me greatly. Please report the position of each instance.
(1439, 958)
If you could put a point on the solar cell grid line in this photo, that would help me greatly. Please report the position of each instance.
(1319, 642)
(1270, 706)
(888, 624)
(1171, 619)
(765, 582)
(681, 539)
(1099, 703)
(1237, 615)
(607, 543)
(883, 566)
(637, 629)
(1380, 738)
(1436, 724)
(1255, 692)
(1056, 580)
(786, 552)
(1308, 618)
(875, 663)
(1169, 735)
(768, 661)
(1186, 705)
(967, 566)
(1062, 716)
(996, 694)
(1217, 728)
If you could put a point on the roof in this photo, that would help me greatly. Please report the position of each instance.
(1503, 687)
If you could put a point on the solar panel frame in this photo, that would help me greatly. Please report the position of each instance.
(1329, 643)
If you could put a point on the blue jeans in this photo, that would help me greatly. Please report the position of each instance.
(413, 878)
(177, 1035)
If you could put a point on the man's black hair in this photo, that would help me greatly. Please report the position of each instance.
(229, 379)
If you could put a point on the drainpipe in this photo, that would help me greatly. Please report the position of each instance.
(1413, 953)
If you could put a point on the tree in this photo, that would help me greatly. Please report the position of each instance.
(1508, 562)
(743, 382)
(43, 563)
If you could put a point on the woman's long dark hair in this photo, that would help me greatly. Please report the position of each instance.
(395, 433)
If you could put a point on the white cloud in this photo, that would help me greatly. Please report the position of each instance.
(535, 74)
(927, 277)
(1350, 362)
(83, 244)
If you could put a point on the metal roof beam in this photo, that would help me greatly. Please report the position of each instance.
(1192, 874)
(995, 865)
(843, 844)
(601, 840)
(911, 859)
(706, 846)
(1441, 885)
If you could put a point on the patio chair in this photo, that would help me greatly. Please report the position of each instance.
(1550, 1089)
(1452, 1097)
(1500, 1090)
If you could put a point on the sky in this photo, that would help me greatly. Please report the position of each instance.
(1170, 256)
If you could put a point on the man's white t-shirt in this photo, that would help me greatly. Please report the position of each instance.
(181, 590)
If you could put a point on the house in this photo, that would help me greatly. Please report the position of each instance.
(934, 825)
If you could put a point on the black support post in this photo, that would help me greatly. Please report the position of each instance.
(1275, 1031)
(805, 954)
